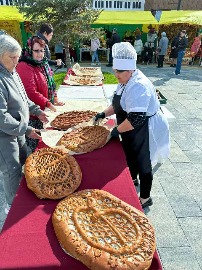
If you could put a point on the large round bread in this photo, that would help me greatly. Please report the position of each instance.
(85, 139)
(52, 173)
(67, 120)
(84, 80)
(103, 232)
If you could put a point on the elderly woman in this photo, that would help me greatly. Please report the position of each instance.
(15, 108)
(142, 126)
(162, 49)
(38, 81)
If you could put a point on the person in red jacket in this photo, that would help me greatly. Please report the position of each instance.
(37, 78)
(195, 48)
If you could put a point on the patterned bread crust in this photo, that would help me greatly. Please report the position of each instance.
(89, 71)
(52, 173)
(103, 232)
(69, 119)
(84, 80)
(85, 139)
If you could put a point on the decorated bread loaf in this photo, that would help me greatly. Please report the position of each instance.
(52, 173)
(103, 232)
(85, 139)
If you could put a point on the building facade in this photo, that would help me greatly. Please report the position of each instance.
(119, 5)
(173, 5)
(6, 2)
(103, 4)
(138, 4)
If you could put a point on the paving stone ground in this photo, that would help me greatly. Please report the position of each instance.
(177, 188)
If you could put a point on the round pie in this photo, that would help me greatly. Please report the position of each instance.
(69, 119)
(85, 139)
(51, 173)
(91, 71)
(84, 80)
(103, 232)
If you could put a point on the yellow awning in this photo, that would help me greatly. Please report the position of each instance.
(10, 13)
(181, 16)
(126, 17)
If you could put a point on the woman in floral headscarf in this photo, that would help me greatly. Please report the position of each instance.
(38, 81)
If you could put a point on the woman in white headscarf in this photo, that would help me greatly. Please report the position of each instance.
(143, 127)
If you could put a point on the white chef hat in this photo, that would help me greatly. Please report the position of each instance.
(124, 56)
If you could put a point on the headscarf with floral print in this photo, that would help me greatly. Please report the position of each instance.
(45, 68)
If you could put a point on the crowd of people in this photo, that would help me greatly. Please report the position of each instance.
(153, 50)
(27, 88)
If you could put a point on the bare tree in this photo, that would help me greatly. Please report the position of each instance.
(71, 19)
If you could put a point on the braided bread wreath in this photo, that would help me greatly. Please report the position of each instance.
(103, 232)
(52, 173)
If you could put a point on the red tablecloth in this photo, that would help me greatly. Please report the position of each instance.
(28, 241)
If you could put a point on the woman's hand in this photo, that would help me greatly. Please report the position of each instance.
(43, 117)
(57, 102)
(35, 134)
(50, 106)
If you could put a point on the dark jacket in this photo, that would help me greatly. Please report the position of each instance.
(174, 46)
(115, 38)
(183, 43)
(175, 42)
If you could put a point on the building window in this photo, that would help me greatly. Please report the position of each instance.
(133, 4)
(140, 4)
(106, 4)
(102, 4)
(98, 4)
(95, 4)
(110, 4)
(114, 4)
(120, 4)
(125, 4)
(137, 4)
(128, 5)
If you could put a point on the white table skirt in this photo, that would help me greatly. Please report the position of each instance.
(80, 92)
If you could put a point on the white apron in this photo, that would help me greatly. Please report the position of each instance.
(140, 96)
(159, 138)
